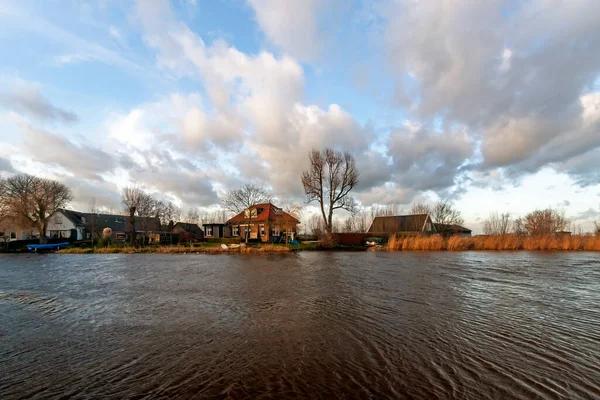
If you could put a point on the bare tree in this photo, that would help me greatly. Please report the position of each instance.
(331, 177)
(93, 219)
(420, 208)
(316, 226)
(358, 221)
(168, 213)
(132, 198)
(218, 216)
(32, 201)
(294, 209)
(444, 213)
(241, 200)
(192, 216)
(518, 227)
(544, 222)
(597, 226)
(497, 224)
(386, 210)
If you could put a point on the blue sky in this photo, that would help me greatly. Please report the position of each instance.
(494, 105)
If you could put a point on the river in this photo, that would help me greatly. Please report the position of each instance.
(468, 325)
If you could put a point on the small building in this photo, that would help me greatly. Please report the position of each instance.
(415, 224)
(11, 231)
(120, 226)
(188, 232)
(265, 222)
(452, 230)
(216, 230)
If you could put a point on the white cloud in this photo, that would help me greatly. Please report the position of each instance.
(514, 78)
(291, 25)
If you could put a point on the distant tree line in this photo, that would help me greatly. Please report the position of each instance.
(535, 223)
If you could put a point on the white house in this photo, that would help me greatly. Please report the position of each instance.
(67, 224)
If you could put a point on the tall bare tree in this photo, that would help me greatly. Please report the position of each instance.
(544, 222)
(497, 224)
(133, 197)
(597, 226)
(241, 200)
(330, 179)
(31, 201)
(444, 212)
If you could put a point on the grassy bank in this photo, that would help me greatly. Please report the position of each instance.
(195, 248)
(493, 243)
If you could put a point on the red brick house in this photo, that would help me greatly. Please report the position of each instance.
(265, 222)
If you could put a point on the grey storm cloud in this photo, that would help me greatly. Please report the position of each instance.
(5, 165)
(425, 159)
(27, 98)
(521, 80)
(84, 160)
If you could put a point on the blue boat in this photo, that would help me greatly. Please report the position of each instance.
(47, 247)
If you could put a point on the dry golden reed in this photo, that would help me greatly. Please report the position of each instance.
(494, 243)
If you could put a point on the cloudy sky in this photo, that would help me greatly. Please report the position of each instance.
(493, 104)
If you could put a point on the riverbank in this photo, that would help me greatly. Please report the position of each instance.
(214, 248)
(494, 243)
(414, 243)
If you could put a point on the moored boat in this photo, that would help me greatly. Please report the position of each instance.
(38, 248)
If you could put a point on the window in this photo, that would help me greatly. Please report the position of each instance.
(58, 220)
(120, 236)
(208, 230)
(275, 231)
(262, 230)
(428, 227)
(13, 235)
(235, 230)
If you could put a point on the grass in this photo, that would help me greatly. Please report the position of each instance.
(494, 243)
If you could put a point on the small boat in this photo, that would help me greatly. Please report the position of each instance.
(372, 241)
(38, 248)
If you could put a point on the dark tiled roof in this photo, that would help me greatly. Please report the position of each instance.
(451, 228)
(399, 223)
(266, 212)
(188, 227)
(114, 222)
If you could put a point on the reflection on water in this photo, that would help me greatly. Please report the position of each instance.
(351, 325)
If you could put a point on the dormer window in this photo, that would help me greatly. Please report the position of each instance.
(251, 213)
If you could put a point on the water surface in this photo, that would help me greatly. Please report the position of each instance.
(322, 325)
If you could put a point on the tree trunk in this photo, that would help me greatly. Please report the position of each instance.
(42, 229)
(132, 225)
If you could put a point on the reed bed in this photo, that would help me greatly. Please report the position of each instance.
(494, 243)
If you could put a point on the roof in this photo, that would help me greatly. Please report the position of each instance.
(188, 227)
(451, 228)
(399, 223)
(265, 212)
(213, 224)
(114, 222)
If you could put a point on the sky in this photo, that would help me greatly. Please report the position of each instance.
(494, 105)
